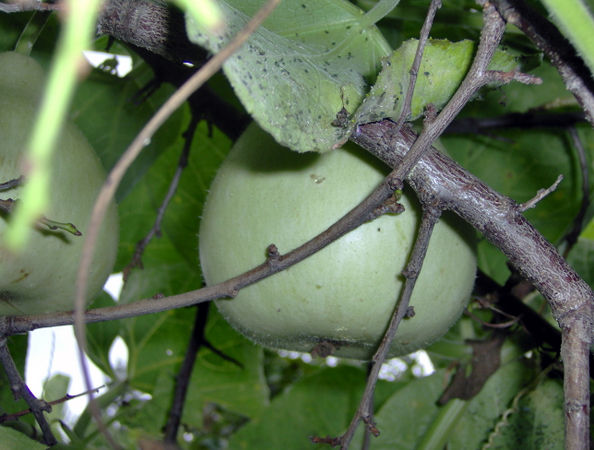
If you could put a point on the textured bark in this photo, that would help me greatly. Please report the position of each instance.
(436, 178)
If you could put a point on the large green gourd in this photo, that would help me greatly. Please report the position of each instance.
(41, 278)
(340, 299)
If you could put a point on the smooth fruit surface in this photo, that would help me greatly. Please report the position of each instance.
(41, 279)
(341, 298)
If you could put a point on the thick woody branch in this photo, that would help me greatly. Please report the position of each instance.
(496, 216)
(500, 220)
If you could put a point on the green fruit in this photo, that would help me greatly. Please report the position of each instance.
(342, 297)
(41, 278)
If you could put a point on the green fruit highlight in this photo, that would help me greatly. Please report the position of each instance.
(340, 299)
(41, 279)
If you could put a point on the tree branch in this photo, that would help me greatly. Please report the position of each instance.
(558, 50)
(20, 389)
(174, 183)
(364, 412)
(501, 222)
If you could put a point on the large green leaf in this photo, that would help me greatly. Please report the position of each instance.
(242, 390)
(317, 405)
(208, 150)
(17, 346)
(407, 415)
(183, 214)
(310, 59)
(442, 69)
(110, 134)
(517, 162)
(157, 343)
(488, 408)
(101, 335)
(13, 440)
(412, 418)
(581, 256)
(534, 420)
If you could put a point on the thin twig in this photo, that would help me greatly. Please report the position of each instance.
(542, 193)
(546, 37)
(477, 77)
(197, 341)
(64, 399)
(185, 372)
(115, 176)
(499, 220)
(156, 229)
(411, 272)
(414, 70)
(20, 389)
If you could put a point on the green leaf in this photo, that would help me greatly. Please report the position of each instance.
(310, 59)
(154, 362)
(55, 388)
(408, 414)
(486, 409)
(17, 346)
(412, 416)
(242, 390)
(13, 440)
(170, 266)
(111, 133)
(182, 217)
(518, 163)
(442, 69)
(581, 258)
(180, 224)
(100, 336)
(317, 405)
(535, 422)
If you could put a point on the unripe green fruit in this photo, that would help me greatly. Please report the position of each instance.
(342, 297)
(41, 278)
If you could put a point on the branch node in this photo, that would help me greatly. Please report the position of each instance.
(390, 206)
(272, 256)
(332, 441)
(370, 424)
(410, 312)
(542, 193)
(498, 76)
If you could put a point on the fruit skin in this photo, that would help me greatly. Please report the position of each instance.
(41, 279)
(342, 297)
